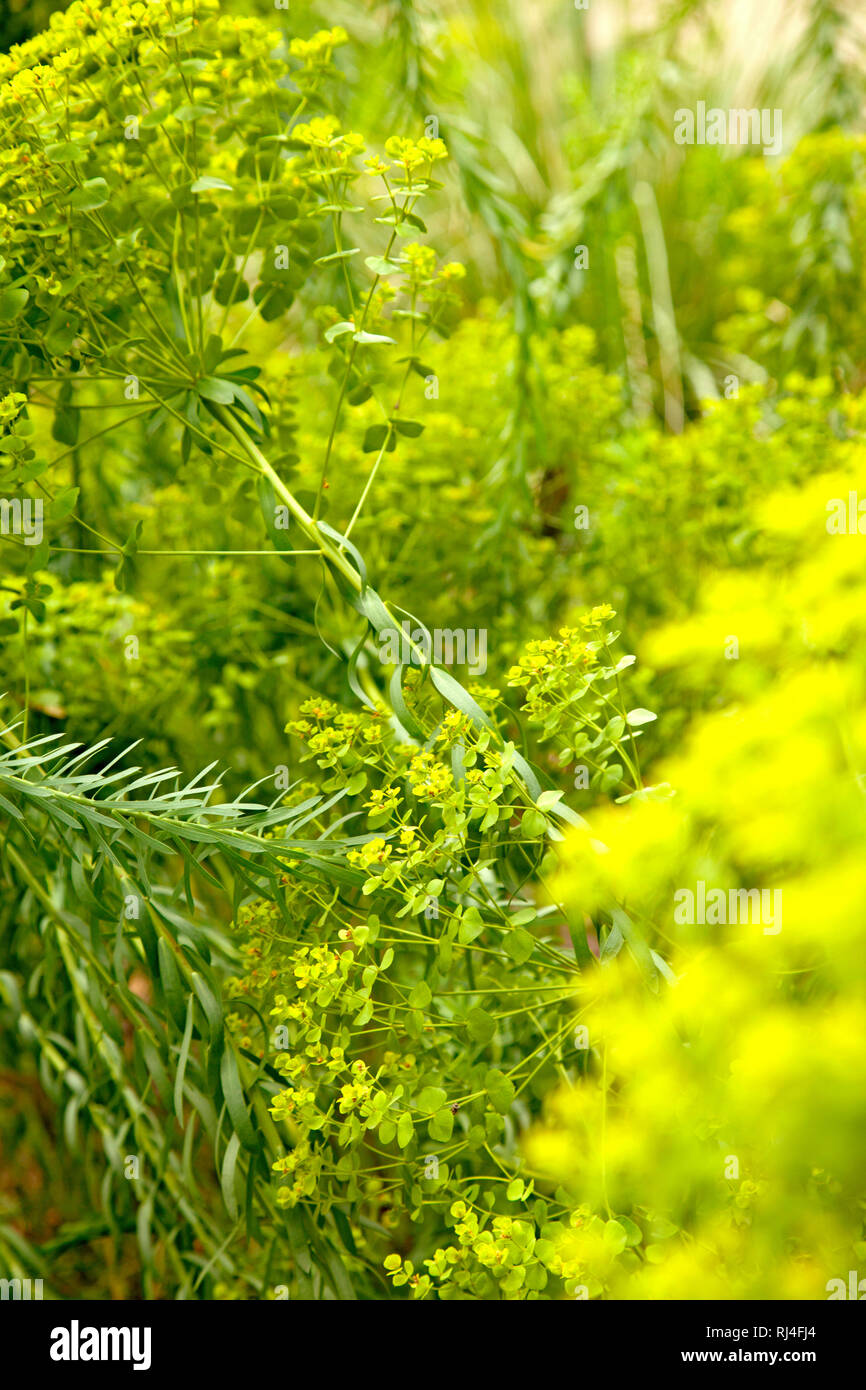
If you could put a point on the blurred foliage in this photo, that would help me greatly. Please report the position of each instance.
(729, 1105)
(21, 19)
(373, 1011)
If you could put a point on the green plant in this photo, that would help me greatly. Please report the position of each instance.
(369, 1012)
(756, 1042)
(128, 250)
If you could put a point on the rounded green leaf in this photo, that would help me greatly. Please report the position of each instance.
(500, 1090)
(91, 195)
(12, 301)
(431, 1098)
(421, 995)
(635, 717)
(518, 945)
(441, 1126)
(480, 1025)
(209, 185)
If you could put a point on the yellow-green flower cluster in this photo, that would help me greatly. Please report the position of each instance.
(717, 1115)
(499, 1259)
(10, 407)
(316, 52)
(302, 1164)
(412, 155)
(429, 778)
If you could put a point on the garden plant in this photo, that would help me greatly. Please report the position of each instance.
(432, 664)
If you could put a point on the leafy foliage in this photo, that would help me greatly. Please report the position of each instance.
(400, 1001)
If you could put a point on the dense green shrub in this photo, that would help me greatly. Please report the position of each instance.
(375, 1008)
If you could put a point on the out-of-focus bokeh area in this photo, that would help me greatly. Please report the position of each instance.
(651, 397)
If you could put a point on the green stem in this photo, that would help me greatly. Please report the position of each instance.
(24, 636)
(301, 515)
